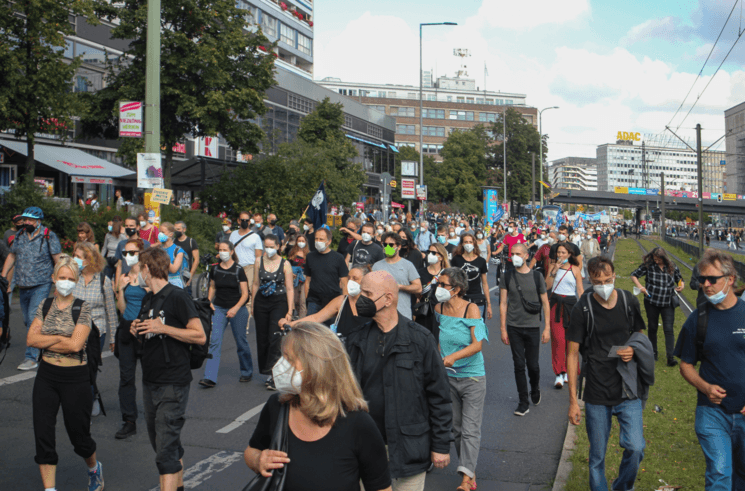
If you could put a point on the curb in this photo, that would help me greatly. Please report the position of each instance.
(565, 466)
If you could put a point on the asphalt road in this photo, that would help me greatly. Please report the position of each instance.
(517, 453)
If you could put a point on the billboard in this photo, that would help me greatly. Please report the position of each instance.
(130, 119)
(491, 204)
(408, 188)
(149, 170)
(621, 190)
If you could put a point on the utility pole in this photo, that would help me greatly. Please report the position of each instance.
(645, 178)
(700, 192)
(504, 152)
(662, 207)
(152, 79)
(532, 195)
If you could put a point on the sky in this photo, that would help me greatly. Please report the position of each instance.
(609, 66)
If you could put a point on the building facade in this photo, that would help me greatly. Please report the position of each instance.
(574, 173)
(734, 127)
(623, 164)
(452, 104)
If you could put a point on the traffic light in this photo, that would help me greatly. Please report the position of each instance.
(719, 198)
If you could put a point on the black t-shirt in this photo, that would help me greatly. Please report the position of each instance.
(345, 245)
(604, 385)
(378, 344)
(189, 246)
(227, 285)
(365, 254)
(325, 271)
(176, 311)
(473, 269)
(571, 247)
(353, 450)
(414, 257)
(311, 240)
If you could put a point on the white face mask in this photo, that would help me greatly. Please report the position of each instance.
(543, 236)
(252, 221)
(452, 234)
(479, 236)
(143, 224)
(131, 260)
(366, 237)
(510, 230)
(517, 261)
(320, 246)
(562, 237)
(226, 228)
(442, 295)
(306, 228)
(270, 252)
(380, 231)
(423, 229)
(301, 245)
(432, 258)
(605, 291)
(353, 288)
(468, 247)
(65, 287)
(224, 256)
(286, 378)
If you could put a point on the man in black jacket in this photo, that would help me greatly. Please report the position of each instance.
(404, 381)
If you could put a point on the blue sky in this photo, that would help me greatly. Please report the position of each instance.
(610, 66)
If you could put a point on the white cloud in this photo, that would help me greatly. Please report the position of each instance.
(529, 14)
(668, 28)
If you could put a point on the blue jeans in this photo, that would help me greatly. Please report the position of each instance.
(314, 307)
(238, 324)
(598, 422)
(722, 438)
(31, 298)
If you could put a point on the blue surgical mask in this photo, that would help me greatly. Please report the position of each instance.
(442, 239)
(79, 262)
(717, 297)
(162, 237)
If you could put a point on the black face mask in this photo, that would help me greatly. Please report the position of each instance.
(272, 222)
(366, 306)
(178, 234)
(404, 243)
(130, 231)
(244, 224)
(30, 228)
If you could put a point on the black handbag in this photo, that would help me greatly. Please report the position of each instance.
(275, 482)
(675, 301)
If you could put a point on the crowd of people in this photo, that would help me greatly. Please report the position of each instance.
(375, 346)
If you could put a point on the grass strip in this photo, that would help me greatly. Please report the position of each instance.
(689, 294)
(672, 453)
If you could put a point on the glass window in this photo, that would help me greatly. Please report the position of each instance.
(405, 129)
(406, 112)
(412, 95)
(479, 100)
(462, 115)
(434, 113)
(490, 101)
(90, 55)
(487, 117)
(450, 98)
(461, 100)
(287, 35)
(269, 25)
(431, 97)
(434, 131)
(391, 95)
(304, 44)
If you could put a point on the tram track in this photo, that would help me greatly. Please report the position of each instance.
(684, 303)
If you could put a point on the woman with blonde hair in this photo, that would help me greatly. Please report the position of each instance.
(63, 379)
(333, 443)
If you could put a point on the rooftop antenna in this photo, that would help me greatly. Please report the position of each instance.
(462, 54)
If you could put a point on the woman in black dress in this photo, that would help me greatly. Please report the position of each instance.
(437, 260)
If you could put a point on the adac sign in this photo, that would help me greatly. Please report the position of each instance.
(629, 136)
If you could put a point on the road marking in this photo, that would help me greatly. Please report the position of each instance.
(493, 288)
(201, 471)
(32, 373)
(241, 419)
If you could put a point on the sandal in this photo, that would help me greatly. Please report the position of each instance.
(465, 485)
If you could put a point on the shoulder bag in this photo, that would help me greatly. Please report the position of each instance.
(275, 482)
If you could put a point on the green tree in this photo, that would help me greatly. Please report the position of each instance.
(410, 154)
(214, 74)
(36, 80)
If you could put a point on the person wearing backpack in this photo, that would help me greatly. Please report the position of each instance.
(523, 310)
(60, 329)
(179, 261)
(713, 335)
(168, 328)
(34, 252)
(606, 325)
(95, 288)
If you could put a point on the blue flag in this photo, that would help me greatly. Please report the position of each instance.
(318, 206)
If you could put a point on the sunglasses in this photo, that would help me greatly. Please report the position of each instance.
(444, 285)
(711, 279)
(130, 253)
(435, 252)
(390, 244)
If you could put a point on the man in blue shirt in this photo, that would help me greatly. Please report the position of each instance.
(720, 411)
(35, 251)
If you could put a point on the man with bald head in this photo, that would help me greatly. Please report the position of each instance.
(403, 379)
(523, 309)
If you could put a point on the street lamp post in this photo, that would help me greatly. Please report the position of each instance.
(540, 130)
(421, 83)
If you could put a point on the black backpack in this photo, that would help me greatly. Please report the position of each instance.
(5, 336)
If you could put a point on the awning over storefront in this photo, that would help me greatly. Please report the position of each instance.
(394, 148)
(379, 145)
(82, 167)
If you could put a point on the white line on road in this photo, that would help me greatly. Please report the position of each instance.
(493, 288)
(31, 374)
(203, 470)
(241, 419)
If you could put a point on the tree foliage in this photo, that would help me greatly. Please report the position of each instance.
(214, 74)
(36, 82)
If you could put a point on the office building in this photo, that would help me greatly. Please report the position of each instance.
(574, 173)
(452, 104)
(734, 127)
(621, 164)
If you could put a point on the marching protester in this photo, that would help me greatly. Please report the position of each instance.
(228, 292)
(342, 309)
(111, 241)
(274, 228)
(349, 235)
(589, 249)
(131, 228)
(16, 224)
(85, 234)
(332, 435)
(148, 232)
(402, 270)
(565, 282)
(63, 380)
(541, 261)
(411, 408)
(310, 232)
(273, 290)
(166, 332)
(523, 309)
(437, 261)
(562, 239)
(296, 256)
(179, 261)
(424, 238)
(468, 258)
(483, 243)
(34, 253)
(248, 246)
(408, 249)
(224, 233)
(462, 333)
(512, 237)
(129, 302)
(609, 318)
(720, 410)
(364, 251)
(325, 272)
(96, 289)
(191, 251)
(663, 280)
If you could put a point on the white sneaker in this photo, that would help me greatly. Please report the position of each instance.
(96, 408)
(28, 365)
(559, 382)
(566, 378)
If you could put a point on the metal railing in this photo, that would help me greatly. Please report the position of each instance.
(694, 252)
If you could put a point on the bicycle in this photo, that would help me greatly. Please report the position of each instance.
(201, 285)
